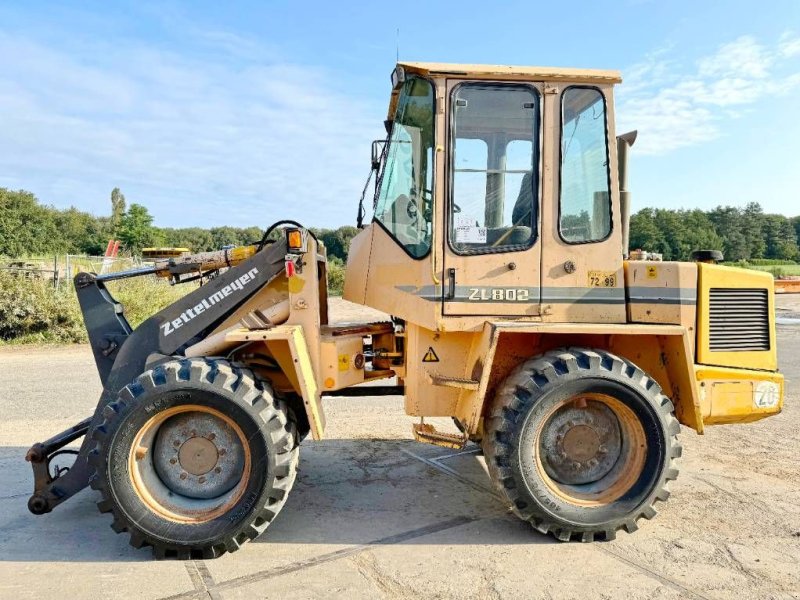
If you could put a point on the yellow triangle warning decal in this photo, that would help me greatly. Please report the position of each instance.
(430, 356)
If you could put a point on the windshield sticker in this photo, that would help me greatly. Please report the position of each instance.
(467, 231)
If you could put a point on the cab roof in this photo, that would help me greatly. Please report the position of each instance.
(512, 72)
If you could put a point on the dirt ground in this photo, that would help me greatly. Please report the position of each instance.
(375, 514)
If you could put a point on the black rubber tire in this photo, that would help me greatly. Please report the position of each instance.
(525, 399)
(232, 390)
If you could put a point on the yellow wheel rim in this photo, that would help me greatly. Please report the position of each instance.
(590, 449)
(189, 464)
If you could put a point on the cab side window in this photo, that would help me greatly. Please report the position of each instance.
(585, 202)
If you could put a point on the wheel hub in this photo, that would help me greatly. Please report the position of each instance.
(198, 455)
(581, 442)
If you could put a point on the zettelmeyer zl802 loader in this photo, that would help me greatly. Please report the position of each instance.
(499, 247)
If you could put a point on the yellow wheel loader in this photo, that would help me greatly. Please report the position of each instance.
(499, 246)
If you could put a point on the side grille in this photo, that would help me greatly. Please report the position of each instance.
(738, 319)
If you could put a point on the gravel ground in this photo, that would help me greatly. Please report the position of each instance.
(375, 514)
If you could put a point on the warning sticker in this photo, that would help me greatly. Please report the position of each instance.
(344, 362)
(652, 272)
(430, 356)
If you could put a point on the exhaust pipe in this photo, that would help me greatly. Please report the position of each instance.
(624, 142)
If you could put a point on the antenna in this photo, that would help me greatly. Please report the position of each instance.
(397, 40)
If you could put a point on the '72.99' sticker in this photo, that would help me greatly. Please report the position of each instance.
(602, 279)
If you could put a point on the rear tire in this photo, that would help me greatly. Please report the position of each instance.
(194, 458)
(581, 443)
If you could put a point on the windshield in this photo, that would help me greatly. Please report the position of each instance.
(404, 203)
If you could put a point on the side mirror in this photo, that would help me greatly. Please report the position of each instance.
(377, 153)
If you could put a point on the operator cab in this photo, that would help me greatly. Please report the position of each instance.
(496, 195)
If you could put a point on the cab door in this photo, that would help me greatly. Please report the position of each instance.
(492, 247)
(582, 269)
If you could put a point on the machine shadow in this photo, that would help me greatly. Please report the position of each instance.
(348, 492)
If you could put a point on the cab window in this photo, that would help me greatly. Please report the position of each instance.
(585, 203)
(494, 159)
(404, 202)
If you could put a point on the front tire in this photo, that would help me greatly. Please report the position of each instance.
(194, 458)
(581, 443)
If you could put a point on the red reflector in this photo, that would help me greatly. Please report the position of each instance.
(290, 268)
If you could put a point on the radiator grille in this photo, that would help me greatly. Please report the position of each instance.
(738, 319)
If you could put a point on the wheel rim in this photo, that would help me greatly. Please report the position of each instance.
(590, 449)
(190, 463)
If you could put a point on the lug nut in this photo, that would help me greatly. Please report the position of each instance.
(202, 480)
(176, 443)
(222, 451)
(184, 475)
(210, 437)
(217, 470)
(172, 461)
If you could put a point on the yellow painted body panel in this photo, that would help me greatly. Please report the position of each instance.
(662, 292)
(338, 361)
(738, 395)
(471, 365)
(717, 276)
(287, 344)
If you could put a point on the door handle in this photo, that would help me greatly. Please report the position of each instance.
(451, 284)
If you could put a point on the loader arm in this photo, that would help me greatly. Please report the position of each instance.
(122, 354)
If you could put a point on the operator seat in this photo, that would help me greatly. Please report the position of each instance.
(523, 217)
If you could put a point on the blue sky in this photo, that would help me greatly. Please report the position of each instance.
(242, 113)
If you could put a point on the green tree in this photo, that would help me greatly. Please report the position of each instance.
(117, 207)
(729, 224)
(796, 225)
(337, 241)
(644, 232)
(194, 238)
(753, 222)
(136, 229)
(27, 227)
(225, 236)
(780, 238)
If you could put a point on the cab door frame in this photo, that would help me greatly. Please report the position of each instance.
(570, 292)
(500, 283)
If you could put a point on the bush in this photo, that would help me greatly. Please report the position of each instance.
(336, 270)
(32, 310)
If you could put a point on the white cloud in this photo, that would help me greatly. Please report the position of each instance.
(673, 108)
(789, 44)
(234, 136)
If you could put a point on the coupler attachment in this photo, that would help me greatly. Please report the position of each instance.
(53, 485)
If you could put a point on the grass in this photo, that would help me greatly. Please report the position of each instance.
(778, 270)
